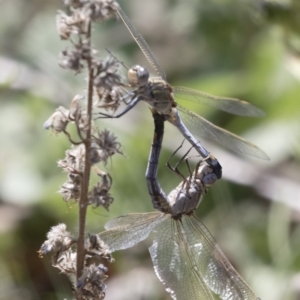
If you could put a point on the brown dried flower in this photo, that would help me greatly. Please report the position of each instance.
(101, 10)
(91, 283)
(58, 241)
(75, 108)
(74, 160)
(105, 144)
(58, 121)
(100, 196)
(108, 99)
(74, 24)
(96, 247)
(66, 262)
(73, 164)
(71, 59)
(70, 190)
(106, 75)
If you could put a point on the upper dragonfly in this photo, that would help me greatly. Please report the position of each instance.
(186, 258)
(160, 95)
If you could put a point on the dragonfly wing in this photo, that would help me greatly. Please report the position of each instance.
(210, 263)
(231, 105)
(126, 231)
(201, 127)
(172, 267)
(142, 44)
(134, 218)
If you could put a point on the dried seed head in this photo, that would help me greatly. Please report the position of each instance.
(101, 10)
(58, 121)
(71, 59)
(70, 190)
(108, 99)
(94, 154)
(65, 262)
(75, 108)
(74, 24)
(96, 247)
(91, 283)
(107, 84)
(100, 196)
(73, 164)
(74, 160)
(106, 73)
(106, 145)
(58, 240)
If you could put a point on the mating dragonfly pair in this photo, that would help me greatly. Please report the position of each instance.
(186, 257)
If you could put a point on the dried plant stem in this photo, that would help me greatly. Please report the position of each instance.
(90, 147)
(83, 202)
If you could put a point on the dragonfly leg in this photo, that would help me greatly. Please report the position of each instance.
(128, 108)
(175, 169)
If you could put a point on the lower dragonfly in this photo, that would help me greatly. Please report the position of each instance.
(159, 94)
(186, 258)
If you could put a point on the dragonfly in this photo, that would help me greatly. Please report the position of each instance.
(186, 258)
(158, 93)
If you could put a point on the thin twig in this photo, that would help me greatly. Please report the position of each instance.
(70, 138)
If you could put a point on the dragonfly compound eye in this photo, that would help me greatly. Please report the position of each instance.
(132, 75)
(142, 75)
(138, 75)
(209, 179)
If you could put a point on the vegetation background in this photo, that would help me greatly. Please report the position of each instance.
(249, 49)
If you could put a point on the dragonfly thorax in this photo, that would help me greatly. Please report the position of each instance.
(185, 198)
(158, 94)
(138, 75)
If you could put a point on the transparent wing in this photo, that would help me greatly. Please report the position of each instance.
(192, 266)
(126, 231)
(231, 105)
(201, 127)
(172, 267)
(207, 257)
(142, 44)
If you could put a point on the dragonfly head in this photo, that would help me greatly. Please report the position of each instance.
(138, 75)
(206, 175)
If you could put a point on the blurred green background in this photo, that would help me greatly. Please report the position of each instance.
(248, 49)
